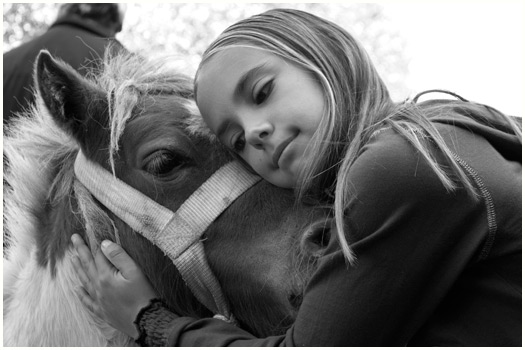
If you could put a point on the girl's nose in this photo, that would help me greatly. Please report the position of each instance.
(257, 135)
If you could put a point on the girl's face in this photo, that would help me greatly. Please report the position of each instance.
(263, 107)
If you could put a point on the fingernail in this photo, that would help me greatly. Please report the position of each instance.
(106, 243)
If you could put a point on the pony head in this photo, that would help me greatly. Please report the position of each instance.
(137, 119)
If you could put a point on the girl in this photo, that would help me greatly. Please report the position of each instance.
(427, 198)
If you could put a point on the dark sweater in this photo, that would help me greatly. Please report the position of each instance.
(434, 268)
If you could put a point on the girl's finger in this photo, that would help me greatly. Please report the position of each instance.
(87, 284)
(86, 300)
(118, 257)
(104, 266)
(85, 256)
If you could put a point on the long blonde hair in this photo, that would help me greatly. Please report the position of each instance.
(357, 102)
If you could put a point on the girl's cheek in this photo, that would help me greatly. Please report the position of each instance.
(250, 163)
(253, 160)
(259, 168)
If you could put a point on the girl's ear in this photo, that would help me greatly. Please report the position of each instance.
(73, 102)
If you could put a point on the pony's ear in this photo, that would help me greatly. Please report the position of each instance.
(69, 97)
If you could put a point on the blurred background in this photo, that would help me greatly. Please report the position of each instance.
(473, 49)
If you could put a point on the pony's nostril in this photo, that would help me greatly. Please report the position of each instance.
(316, 238)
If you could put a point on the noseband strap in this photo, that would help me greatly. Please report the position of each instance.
(178, 233)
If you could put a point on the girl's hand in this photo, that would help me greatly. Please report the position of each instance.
(114, 287)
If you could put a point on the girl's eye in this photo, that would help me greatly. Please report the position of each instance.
(239, 143)
(163, 162)
(263, 93)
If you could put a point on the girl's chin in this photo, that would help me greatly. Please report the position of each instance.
(283, 184)
(282, 180)
(289, 180)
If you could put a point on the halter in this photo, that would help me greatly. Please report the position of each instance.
(176, 234)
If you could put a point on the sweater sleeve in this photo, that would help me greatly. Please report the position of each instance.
(412, 239)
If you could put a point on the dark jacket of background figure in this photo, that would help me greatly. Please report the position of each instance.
(77, 41)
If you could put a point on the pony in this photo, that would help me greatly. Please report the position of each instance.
(137, 119)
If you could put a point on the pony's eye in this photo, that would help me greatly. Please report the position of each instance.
(263, 94)
(163, 162)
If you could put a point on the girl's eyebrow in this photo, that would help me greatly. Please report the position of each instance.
(246, 77)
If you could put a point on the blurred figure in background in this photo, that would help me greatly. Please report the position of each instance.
(80, 35)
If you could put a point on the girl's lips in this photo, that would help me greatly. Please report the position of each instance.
(279, 150)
